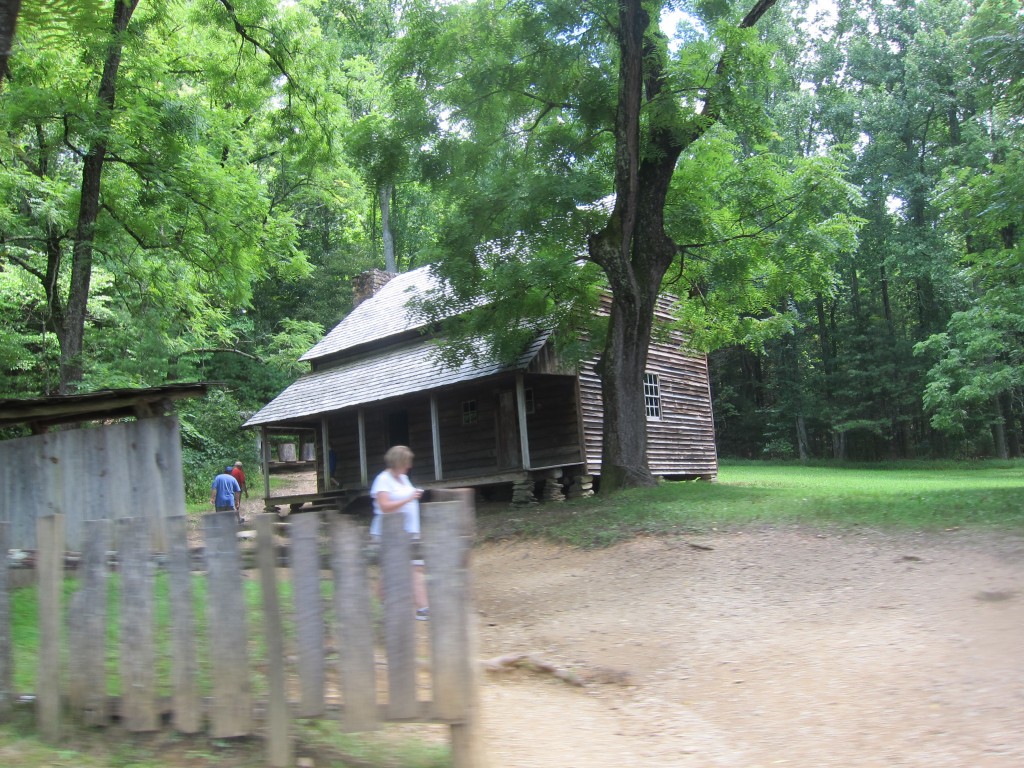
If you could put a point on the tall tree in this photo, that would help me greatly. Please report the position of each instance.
(155, 181)
(574, 132)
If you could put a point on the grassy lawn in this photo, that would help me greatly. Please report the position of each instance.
(906, 495)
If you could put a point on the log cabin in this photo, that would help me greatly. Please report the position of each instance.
(532, 426)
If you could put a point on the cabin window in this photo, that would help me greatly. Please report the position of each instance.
(652, 396)
(469, 412)
(528, 398)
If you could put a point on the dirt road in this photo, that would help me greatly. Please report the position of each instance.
(759, 648)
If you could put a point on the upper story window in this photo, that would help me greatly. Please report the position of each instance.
(469, 412)
(528, 405)
(652, 396)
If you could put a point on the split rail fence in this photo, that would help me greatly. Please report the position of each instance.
(371, 682)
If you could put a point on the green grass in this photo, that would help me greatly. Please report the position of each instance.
(906, 495)
(321, 740)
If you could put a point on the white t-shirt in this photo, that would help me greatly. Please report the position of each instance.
(396, 488)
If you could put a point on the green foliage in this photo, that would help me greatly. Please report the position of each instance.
(211, 167)
(915, 95)
(212, 438)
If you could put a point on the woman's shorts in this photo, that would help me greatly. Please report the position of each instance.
(373, 550)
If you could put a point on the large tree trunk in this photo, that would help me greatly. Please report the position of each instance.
(633, 249)
(634, 274)
(624, 446)
(999, 430)
(8, 23)
(71, 327)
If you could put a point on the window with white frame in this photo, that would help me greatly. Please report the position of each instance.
(469, 412)
(652, 396)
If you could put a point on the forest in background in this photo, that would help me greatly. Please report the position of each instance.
(188, 187)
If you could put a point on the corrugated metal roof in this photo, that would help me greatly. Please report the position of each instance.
(381, 316)
(401, 370)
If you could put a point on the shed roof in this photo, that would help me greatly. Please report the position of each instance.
(377, 318)
(400, 370)
(90, 406)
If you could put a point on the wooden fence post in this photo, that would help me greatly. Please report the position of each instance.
(466, 739)
(446, 587)
(6, 650)
(231, 713)
(279, 745)
(50, 573)
(138, 655)
(399, 610)
(309, 610)
(87, 628)
(188, 716)
(353, 621)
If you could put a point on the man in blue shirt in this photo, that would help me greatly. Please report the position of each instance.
(226, 493)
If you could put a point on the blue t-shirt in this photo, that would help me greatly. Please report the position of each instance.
(226, 487)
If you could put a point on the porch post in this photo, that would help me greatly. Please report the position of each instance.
(524, 440)
(265, 457)
(435, 432)
(363, 473)
(325, 440)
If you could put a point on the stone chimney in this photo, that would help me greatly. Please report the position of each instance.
(366, 284)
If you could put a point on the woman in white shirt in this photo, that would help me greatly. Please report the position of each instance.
(393, 492)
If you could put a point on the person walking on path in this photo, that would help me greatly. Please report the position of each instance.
(226, 494)
(239, 475)
(393, 492)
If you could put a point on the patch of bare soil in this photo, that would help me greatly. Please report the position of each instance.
(757, 647)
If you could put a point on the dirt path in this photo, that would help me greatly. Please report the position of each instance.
(759, 647)
(771, 647)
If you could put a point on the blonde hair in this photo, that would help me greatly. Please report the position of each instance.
(398, 456)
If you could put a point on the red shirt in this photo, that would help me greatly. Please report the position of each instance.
(239, 475)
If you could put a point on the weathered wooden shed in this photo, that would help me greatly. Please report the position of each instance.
(112, 468)
(375, 381)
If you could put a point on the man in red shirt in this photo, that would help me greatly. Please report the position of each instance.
(239, 475)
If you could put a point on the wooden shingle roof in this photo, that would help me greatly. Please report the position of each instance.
(379, 317)
(400, 370)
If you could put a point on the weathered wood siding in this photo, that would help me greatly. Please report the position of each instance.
(682, 442)
(108, 472)
(469, 449)
(553, 427)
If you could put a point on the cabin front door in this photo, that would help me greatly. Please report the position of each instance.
(507, 431)
(398, 428)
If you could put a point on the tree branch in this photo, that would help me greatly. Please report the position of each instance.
(244, 34)
(229, 350)
(131, 232)
(25, 265)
